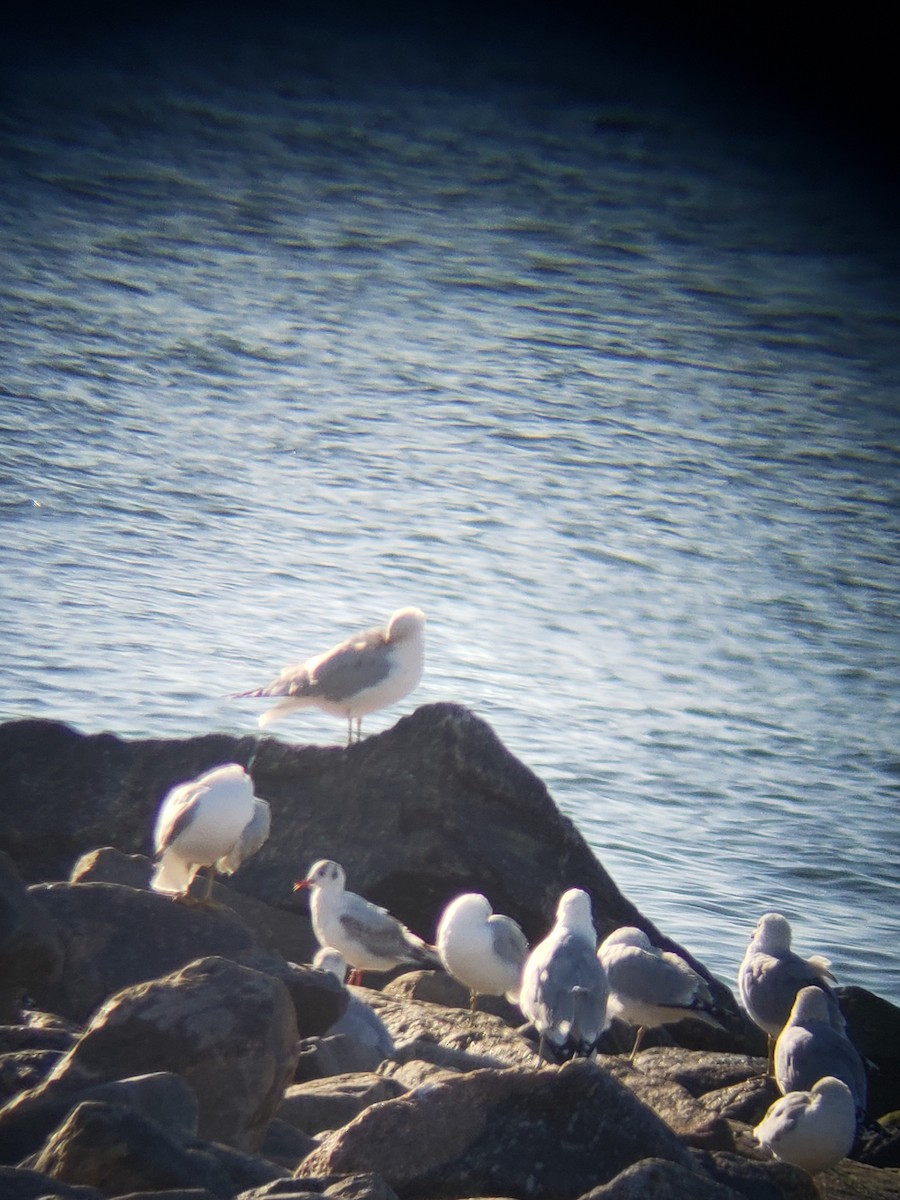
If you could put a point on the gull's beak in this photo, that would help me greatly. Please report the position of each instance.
(300, 884)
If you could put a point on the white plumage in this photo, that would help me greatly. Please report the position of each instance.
(564, 989)
(212, 821)
(813, 1130)
(485, 951)
(368, 671)
(367, 937)
(649, 987)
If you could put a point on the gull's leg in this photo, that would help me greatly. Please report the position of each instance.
(638, 1038)
(473, 1001)
(349, 731)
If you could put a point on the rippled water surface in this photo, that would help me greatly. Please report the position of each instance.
(298, 329)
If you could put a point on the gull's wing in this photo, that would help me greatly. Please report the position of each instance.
(508, 940)
(638, 974)
(178, 811)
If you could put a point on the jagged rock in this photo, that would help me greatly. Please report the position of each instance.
(18, 1183)
(873, 1025)
(41, 1031)
(115, 936)
(288, 933)
(437, 987)
(482, 1037)
(693, 1123)
(769, 1180)
(116, 1150)
(456, 809)
(286, 1145)
(163, 1096)
(747, 1101)
(661, 1180)
(30, 953)
(25, 1069)
(854, 1181)
(499, 1132)
(330, 1103)
(337, 1054)
(229, 1031)
(364, 1186)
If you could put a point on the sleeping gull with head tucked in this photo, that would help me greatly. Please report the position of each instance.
(367, 937)
(649, 987)
(368, 671)
(813, 1130)
(564, 990)
(212, 821)
(771, 975)
(484, 950)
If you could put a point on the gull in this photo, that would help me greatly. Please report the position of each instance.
(771, 974)
(358, 1020)
(649, 987)
(564, 990)
(212, 821)
(809, 1047)
(366, 936)
(813, 1130)
(483, 950)
(368, 671)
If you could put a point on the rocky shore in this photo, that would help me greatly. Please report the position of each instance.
(159, 1049)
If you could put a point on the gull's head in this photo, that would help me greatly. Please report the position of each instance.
(628, 935)
(810, 1004)
(405, 624)
(470, 908)
(331, 961)
(772, 934)
(574, 912)
(325, 874)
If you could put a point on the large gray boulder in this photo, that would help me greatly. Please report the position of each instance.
(30, 951)
(526, 1132)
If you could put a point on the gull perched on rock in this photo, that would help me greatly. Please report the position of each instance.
(771, 975)
(810, 1047)
(485, 951)
(564, 990)
(367, 937)
(649, 987)
(813, 1130)
(368, 671)
(212, 821)
(358, 1021)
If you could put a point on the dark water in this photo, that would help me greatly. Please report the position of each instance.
(300, 325)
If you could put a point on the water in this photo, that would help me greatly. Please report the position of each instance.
(299, 328)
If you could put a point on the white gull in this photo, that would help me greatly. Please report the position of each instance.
(810, 1047)
(366, 936)
(212, 821)
(649, 987)
(771, 975)
(564, 990)
(813, 1130)
(368, 671)
(484, 950)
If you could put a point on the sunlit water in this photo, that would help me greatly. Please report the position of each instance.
(607, 390)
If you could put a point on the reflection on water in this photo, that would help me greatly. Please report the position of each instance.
(607, 392)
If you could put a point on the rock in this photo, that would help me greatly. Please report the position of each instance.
(458, 811)
(499, 1132)
(30, 952)
(229, 1031)
(873, 1025)
(339, 1054)
(289, 934)
(18, 1183)
(286, 1145)
(437, 987)
(25, 1069)
(330, 1103)
(767, 1180)
(116, 1150)
(661, 1180)
(114, 936)
(162, 1096)
(687, 1117)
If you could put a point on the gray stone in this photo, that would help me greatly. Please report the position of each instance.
(661, 1180)
(691, 1120)
(330, 1103)
(30, 950)
(21, 1183)
(500, 1132)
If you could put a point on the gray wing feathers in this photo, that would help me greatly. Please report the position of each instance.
(359, 663)
(180, 812)
(509, 941)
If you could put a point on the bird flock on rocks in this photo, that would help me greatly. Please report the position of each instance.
(567, 988)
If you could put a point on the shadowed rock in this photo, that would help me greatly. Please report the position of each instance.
(30, 953)
(535, 1134)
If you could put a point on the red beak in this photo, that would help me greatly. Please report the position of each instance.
(301, 883)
